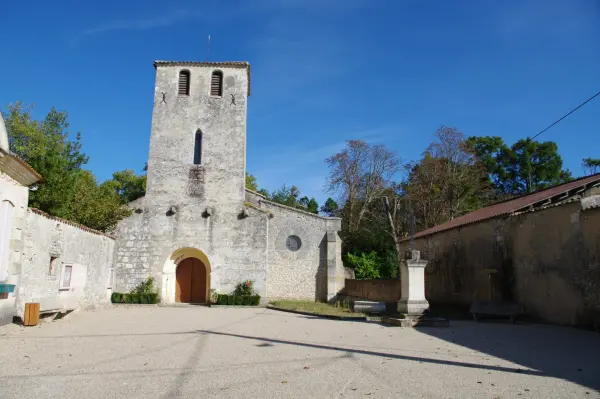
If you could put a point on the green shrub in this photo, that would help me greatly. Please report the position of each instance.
(116, 297)
(245, 300)
(145, 287)
(245, 288)
(153, 298)
(366, 266)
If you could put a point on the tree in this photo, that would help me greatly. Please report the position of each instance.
(330, 208)
(127, 185)
(46, 146)
(447, 182)
(360, 174)
(286, 196)
(69, 192)
(96, 206)
(524, 167)
(309, 204)
(251, 183)
(290, 196)
(591, 166)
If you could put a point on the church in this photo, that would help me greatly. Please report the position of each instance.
(198, 229)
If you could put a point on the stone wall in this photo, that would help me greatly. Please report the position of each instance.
(302, 273)
(16, 195)
(234, 246)
(373, 290)
(548, 260)
(89, 253)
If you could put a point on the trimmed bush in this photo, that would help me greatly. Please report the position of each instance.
(239, 300)
(116, 297)
(151, 298)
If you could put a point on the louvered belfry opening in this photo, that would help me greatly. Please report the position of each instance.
(216, 84)
(184, 83)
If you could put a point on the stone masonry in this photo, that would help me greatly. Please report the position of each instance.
(202, 210)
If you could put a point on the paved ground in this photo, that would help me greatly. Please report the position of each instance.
(165, 352)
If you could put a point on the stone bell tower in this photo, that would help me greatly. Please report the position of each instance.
(198, 139)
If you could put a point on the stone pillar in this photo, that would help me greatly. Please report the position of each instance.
(335, 269)
(412, 281)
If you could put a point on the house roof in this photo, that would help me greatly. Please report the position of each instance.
(18, 169)
(528, 201)
(224, 64)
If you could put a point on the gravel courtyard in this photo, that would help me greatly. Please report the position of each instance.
(193, 352)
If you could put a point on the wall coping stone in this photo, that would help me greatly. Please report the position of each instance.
(76, 225)
(265, 200)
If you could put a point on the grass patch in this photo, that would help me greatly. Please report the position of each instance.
(339, 309)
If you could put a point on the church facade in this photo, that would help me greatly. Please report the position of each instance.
(198, 228)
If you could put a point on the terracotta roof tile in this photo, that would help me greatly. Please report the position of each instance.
(28, 167)
(511, 206)
(77, 225)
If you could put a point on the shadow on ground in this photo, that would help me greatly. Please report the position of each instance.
(555, 351)
(535, 349)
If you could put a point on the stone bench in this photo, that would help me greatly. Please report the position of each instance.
(369, 307)
(496, 308)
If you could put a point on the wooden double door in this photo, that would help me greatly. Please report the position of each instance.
(191, 281)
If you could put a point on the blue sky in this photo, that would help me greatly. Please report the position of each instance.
(323, 72)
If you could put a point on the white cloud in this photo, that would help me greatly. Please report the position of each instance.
(161, 21)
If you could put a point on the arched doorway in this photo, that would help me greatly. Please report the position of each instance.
(190, 286)
(170, 286)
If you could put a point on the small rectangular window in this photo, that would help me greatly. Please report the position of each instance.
(65, 282)
(198, 148)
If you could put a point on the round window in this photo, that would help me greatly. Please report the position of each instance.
(293, 243)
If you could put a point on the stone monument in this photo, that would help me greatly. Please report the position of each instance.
(412, 276)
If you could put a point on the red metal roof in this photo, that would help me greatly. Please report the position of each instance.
(513, 205)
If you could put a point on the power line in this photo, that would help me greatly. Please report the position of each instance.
(579, 106)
